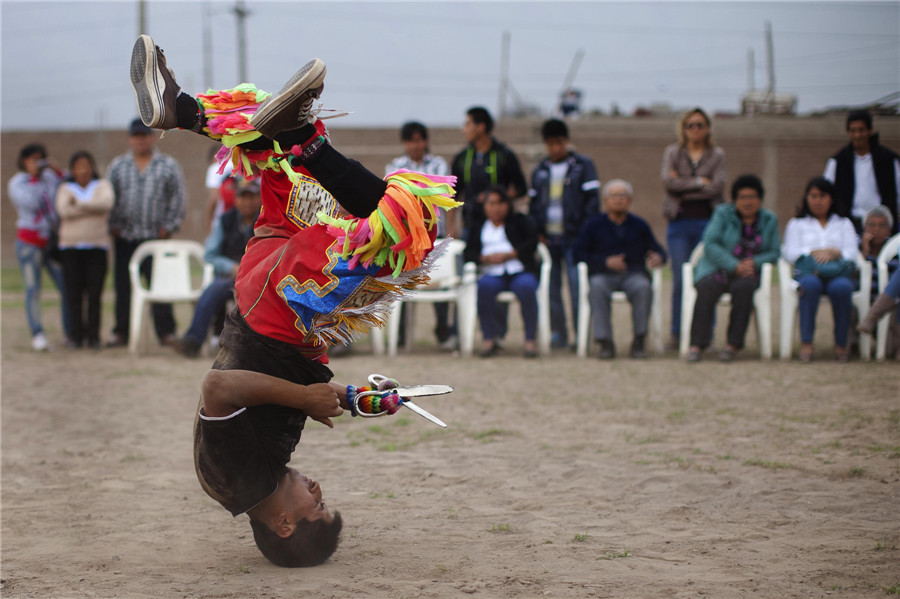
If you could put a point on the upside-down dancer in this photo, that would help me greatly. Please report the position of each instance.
(311, 276)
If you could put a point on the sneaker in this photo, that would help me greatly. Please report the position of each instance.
(154, 84)
(693, 356)
(726, 355)
(290, 108)
(117, 341)
(187, 347)
(451, 344)
(39, 343)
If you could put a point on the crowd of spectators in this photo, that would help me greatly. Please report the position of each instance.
(69, 220)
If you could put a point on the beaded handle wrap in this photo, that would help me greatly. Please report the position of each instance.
(371, 404)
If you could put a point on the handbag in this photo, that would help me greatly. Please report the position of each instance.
(807, 265)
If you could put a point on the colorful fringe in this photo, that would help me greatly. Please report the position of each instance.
(372, 302)
(397, 233)
(228, 114)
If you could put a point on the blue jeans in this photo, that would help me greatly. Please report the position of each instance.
(211, 301)
(682, 236)
(562, 256)
(839, 291)
(524, 285)
(893, 288)
(31, 258)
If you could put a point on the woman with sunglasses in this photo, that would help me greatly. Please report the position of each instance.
(693, 173)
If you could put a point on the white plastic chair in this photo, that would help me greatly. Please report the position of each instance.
(890, 251)
(584, 309)
(543, 301)
(762, 305)
(447, 285)
(170, 279)
(790, 301)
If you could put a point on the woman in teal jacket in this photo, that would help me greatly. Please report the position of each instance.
(740, 238)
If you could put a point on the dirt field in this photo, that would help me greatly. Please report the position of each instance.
(556, 478)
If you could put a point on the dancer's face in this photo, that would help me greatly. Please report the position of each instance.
(305, 498)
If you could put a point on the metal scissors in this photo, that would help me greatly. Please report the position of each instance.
(382, 384)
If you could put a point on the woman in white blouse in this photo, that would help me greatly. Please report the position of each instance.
(823, 248)
(503, 244)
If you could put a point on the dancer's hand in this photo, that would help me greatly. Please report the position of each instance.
(321, 403)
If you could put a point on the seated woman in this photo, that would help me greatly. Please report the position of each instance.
(739, 239)
(822, 246)
(503, 243)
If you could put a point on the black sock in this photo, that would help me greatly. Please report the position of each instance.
(187, 111)
(296, 137)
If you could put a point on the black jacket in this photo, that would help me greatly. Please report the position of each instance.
(522, 235)
(845, 181)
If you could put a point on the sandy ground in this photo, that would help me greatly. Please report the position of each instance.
(556, 478)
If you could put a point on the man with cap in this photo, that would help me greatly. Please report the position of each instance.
(150, 204)
(224, 248)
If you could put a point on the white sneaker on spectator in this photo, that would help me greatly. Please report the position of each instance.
(39, 342)
(451, 344)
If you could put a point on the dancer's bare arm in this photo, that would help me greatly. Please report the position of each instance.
(226, 391)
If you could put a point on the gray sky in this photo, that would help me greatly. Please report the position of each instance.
(65, 64)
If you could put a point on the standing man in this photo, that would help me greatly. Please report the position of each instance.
(418, 157)
(564, 194)
(484, 162)
(150, 204)
(864, 172)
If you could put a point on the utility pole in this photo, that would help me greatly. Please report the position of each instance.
(241, 13)
(504, 74)
(142, 17)
(751, 70)
(207, 47)
(770, 59)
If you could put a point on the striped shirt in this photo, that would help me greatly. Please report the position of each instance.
(147, 201)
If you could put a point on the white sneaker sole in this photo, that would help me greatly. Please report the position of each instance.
(148, 84)
(309, 77)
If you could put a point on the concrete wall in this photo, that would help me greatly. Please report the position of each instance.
(785, 152)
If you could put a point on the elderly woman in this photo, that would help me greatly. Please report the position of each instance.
(877, 227)
(822, 246)
(83, 203)
(740, 238)
(693, 172)
(32, 192)
(503, 244)
(618, 248)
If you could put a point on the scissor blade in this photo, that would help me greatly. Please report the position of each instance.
(423, 413)
(423, 390)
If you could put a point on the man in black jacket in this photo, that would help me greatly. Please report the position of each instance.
(224, 248)
(483, 163)
(564, 193)
(865, 173)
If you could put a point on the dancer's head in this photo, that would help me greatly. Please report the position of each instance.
(293, 527)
